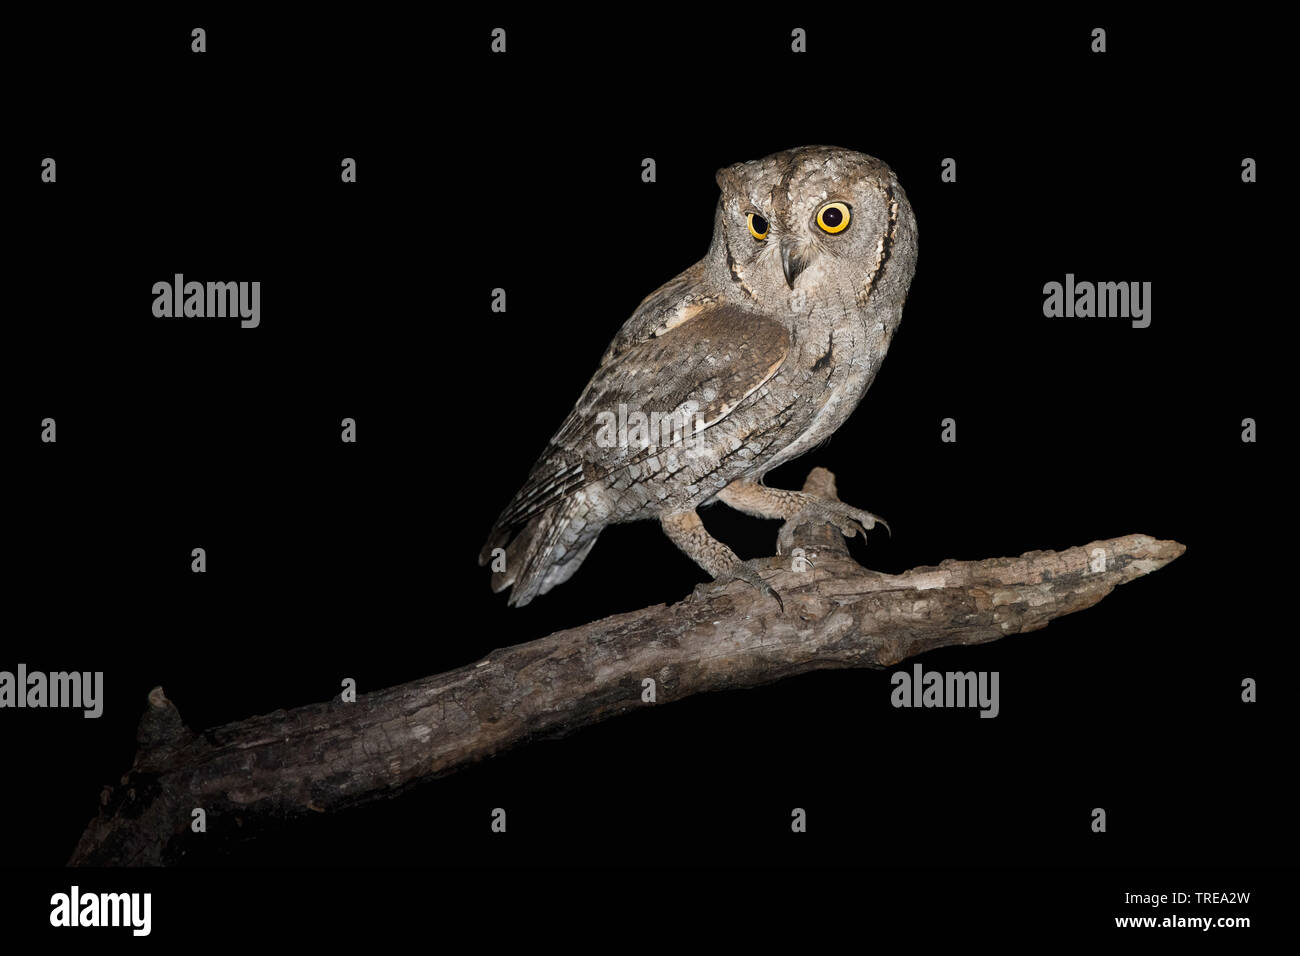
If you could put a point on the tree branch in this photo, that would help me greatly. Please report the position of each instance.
(324, 757)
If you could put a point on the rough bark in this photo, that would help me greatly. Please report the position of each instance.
(325, 757)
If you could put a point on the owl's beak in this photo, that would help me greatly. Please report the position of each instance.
(791, 262)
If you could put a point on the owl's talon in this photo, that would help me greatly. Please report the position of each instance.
(785, 538)
(849, 520)
(742, 572)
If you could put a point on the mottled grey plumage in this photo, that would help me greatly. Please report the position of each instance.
(770, 342)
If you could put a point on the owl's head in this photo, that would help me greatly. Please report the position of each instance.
(814, 222)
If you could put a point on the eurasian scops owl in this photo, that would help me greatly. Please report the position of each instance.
(748, 358)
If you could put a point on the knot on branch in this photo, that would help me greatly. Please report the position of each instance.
(161, 733)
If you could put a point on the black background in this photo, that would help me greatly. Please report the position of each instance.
(522, 171)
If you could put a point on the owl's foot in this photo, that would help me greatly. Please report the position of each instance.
(743, 571)
(687, 532)
(796, 508)
(848, 519)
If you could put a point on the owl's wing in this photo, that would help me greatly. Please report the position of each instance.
(665, 308)
(707, 363)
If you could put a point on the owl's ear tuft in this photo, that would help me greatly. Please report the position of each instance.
(728, 177)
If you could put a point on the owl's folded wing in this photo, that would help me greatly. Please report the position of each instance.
(665, 308)
(697, 373)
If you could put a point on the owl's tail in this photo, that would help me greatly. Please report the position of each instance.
(546, 551)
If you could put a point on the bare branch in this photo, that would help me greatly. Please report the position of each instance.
(325, 757)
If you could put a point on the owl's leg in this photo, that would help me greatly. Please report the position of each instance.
(795, 508)
(686, 531)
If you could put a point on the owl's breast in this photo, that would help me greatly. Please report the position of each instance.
(824, 381)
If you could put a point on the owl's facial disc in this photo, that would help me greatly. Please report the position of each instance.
(816, 224)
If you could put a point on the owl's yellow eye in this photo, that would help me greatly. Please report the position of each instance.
(758, 227)
(833, 217)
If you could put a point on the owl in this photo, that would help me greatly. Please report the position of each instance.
(747, 359)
